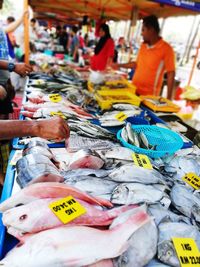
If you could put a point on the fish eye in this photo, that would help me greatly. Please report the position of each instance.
(23, 217)
(169, 253)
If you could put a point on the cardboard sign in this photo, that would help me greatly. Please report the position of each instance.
(55, 98)
(121, 116)
(187, 251)
(192, 179)
(67, 209)
(142, 161)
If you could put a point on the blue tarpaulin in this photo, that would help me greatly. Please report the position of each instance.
(190, 5)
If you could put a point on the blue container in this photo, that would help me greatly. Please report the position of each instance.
(166, 141)
(48, 52)
(7, 190)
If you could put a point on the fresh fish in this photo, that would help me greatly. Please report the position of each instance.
(161, 214)
(30, 218)
(144, 141)
(142, 244)
(76, 143)
(135, 193)
(84, 172)
(85, 159)
(38, 150)
(48, 190)
(36, 168)
(124, 134)
(118, 152)
(166, 250)
(74, 246)
(132, 135)
(37, 142)
(103, 263)
(92, 185)
(133, 173)
(185, 201)
(124, 106)
(156, 263)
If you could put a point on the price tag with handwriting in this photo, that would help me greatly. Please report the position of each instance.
(67, 209)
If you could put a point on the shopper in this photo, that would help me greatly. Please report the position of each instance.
(155, 58)
(104, 50)
(74, 46)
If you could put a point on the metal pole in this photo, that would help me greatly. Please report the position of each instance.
(26, 33)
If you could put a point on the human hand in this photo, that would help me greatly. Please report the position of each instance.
(22, 69)
(3, 93)
(55, 128)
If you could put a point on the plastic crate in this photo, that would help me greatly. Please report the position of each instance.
(168, 106)
(166, 141)
(106, 99)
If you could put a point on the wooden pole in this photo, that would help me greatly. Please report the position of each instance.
(194, 64)
(26, 33)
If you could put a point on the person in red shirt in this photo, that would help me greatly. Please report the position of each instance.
(104, 50)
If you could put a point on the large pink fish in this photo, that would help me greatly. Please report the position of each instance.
(36, 216)
(103, 263)
(49, 190)
(74, 246)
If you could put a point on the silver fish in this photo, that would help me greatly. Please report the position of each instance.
(133, 173)
(132, 135)
(124, 106)
(166, 250)
(84, 172)
(161, 214)
(185, 201)
(120, 153)
(93, 185)
(134, 193)
(156, 263)
(124, 134)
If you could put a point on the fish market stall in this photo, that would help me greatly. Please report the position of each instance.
(117, 193)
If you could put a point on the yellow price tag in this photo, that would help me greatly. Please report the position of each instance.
(55, 98)
(187, 251)
(59, 113)
(192, 179)
(67, 209)
(121, 116)
(142, 161)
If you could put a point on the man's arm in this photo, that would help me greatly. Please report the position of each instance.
(129, 65)
(14, 25)
(170, 84)
(55, 128)
(20, 68)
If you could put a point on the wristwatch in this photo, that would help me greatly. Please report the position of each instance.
(11, 66)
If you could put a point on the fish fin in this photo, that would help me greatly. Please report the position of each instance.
(124, 248)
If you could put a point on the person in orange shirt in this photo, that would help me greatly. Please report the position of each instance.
(155, 58)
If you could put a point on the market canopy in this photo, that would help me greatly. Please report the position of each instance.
(116, 9)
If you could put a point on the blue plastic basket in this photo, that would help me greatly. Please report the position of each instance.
(166, 141)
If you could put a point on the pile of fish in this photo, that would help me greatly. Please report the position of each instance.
(132, 213)
(80, 242)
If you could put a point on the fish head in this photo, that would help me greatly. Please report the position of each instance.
(167, 254)
(22, 218)
(120, 194)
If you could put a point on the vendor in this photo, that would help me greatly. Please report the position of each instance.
(104, 50)
(155, 58)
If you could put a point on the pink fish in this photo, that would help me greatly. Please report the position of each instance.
(74, 246)
(36, 216)
(49, 190)
(103, 263)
